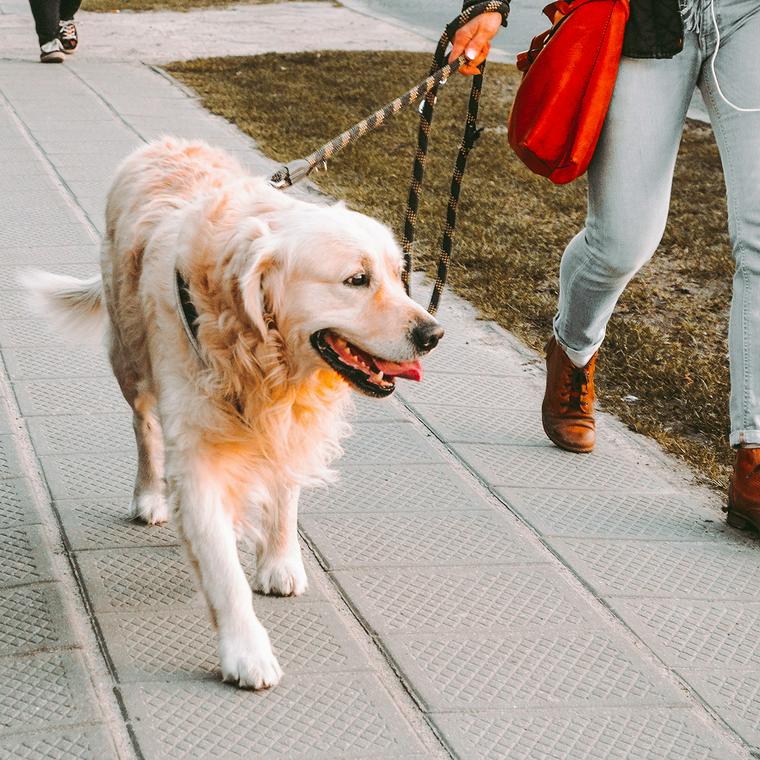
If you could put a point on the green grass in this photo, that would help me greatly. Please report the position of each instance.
(113, 6)
(666, 343)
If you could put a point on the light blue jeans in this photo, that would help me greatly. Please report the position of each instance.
(630, 181)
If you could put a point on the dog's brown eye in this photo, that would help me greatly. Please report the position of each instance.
(357, 280)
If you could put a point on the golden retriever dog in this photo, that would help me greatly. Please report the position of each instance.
(243, 402)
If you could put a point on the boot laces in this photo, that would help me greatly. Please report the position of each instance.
(578, 389)
(67, 31)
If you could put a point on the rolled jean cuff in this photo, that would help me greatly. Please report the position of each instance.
(578, 358)
(744, 436)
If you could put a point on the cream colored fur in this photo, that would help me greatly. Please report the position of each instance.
(227, 439)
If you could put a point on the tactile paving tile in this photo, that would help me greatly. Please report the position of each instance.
(391, 443)
(620, 470)
(10, 465)
(472, 391)
(106, 524)
(17, 503)
(376, 409)
(14, 304)
(587, 514)
(75, 395)
(459, 356)
(529, 667)
(611, 734)
(701, 570)
(55, 362)
(43, 690)
(443, 599)
(93, 476)
(87, 743)
(318, 717)
(47, 258)
(182, 644)
(69, 434)
(32, 617)
(121, 580)
(47, 225)
(417, 538)
(691, 633)
(734, 695)
(24, 556)
(31, 332)
(402, 488)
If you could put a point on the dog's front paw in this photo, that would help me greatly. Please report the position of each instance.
(150, 508)
(284, 576)
(248, 660)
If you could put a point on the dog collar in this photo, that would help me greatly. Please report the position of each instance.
(188, 314)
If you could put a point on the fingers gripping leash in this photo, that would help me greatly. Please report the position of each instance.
(440, 71)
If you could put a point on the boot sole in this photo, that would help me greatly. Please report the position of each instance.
(559, 443)
(740, 521)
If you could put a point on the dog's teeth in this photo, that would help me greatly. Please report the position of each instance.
(340, 343)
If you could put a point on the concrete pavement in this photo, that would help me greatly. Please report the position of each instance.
(475, 592)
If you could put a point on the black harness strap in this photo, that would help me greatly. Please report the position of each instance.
(187, 312)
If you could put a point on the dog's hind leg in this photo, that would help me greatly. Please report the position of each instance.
(206, 528)
(279, 566)
(149, 500)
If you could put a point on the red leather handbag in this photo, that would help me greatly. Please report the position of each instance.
(569, 75)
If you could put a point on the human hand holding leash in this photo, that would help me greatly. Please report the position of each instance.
(474, 41)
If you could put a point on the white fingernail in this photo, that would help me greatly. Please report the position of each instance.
(472, 54)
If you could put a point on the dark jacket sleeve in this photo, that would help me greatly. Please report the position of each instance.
(467, 3)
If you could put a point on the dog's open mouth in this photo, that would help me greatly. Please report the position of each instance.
(367, 373)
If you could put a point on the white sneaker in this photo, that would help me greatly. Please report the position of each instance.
(52, 52)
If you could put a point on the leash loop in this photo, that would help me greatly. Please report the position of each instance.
(440, 71)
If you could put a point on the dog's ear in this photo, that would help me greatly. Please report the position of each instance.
(252, 281)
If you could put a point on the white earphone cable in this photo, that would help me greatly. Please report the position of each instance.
(712, 67)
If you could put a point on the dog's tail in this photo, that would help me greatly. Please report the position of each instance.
(74, 306)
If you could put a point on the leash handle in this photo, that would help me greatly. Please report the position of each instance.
(469, 137)
(293, 172)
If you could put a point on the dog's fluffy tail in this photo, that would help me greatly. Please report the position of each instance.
(75, 307)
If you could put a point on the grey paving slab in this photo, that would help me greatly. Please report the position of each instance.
(32, 332)
(601, 734)
(378, 410)
(417, 538)
(400, 488)
(33, 617)
(78, 395)
(44, 690)
(181, 644)
(435, 600)
(688, 633)
(17, 506)
(734, 695)
(393, 443)
(616, 470)
(10, 465)
(53, 256)
(81, 433)
(464, 424)
(48, 362)
(656, 515)
(564, 666)
(24, 556)
(687, 570)
(90, 476)
(319, 717)
(472, 391)
(105, 524)
(79, 743)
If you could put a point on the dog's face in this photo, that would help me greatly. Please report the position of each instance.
(331, 279)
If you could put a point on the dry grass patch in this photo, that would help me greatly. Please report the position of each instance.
(113, 6)
(666, 344)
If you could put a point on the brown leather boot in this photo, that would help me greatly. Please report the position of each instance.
(744, 491)
(568, 409)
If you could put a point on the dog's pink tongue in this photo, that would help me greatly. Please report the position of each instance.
(409, 370)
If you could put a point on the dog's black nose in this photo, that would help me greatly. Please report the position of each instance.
(425, 336)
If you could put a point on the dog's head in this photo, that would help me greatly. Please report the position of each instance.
(330, 280)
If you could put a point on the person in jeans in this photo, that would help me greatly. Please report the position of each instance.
(670, 47)
(54, 22)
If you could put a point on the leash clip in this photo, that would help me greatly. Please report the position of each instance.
(289, 174)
